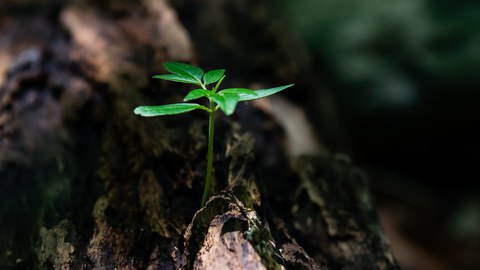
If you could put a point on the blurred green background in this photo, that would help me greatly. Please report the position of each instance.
(406, 77)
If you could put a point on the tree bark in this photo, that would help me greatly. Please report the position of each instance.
(86, 184)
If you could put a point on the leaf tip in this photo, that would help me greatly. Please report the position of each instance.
(137, 111)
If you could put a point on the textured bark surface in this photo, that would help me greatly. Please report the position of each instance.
(86, 184)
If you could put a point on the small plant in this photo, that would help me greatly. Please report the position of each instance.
(225, 99)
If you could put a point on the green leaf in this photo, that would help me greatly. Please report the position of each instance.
(231, 100)
(263, 93)
(169, 109)
(213, 76)
(185, 70)
(227, 102)
(238, 91)
(175, 78)
(220, 100)
(197, 93)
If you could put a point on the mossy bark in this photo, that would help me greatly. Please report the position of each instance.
(86, 184)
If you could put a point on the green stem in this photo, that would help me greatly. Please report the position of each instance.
(208, 177)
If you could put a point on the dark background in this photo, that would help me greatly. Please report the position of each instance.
(405, 76)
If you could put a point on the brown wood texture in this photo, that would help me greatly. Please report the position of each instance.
(86, 184)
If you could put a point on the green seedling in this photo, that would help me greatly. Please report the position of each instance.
(225, 100)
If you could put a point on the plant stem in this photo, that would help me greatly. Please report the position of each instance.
(208, 177)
